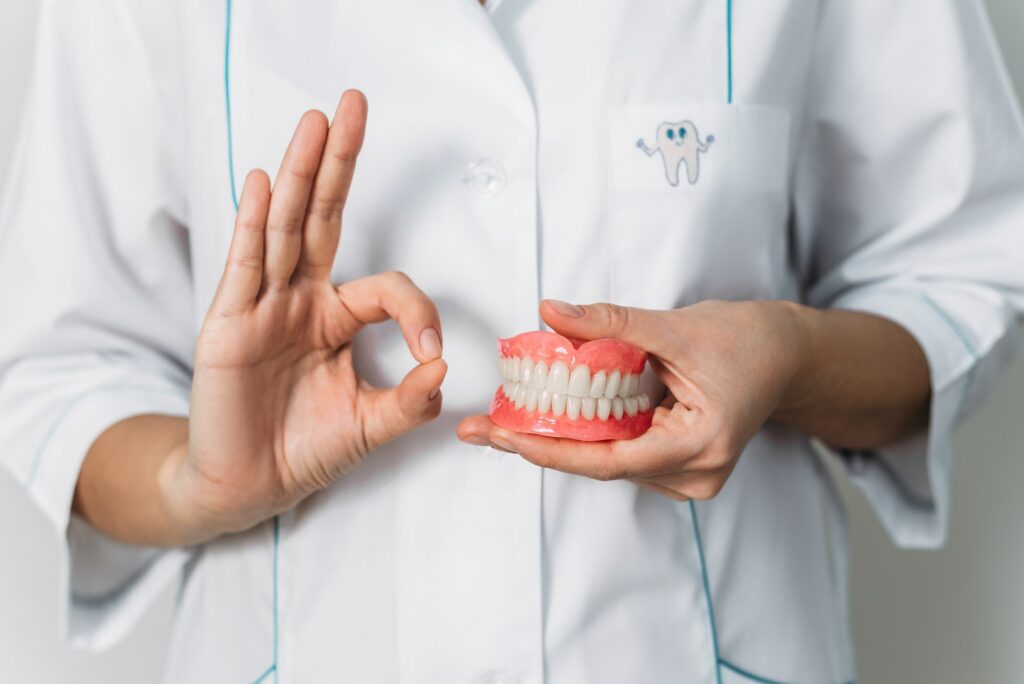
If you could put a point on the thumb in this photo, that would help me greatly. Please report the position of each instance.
(641, 328)
(394, 411)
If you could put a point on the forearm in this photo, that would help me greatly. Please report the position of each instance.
(122, 488)
(863, 381)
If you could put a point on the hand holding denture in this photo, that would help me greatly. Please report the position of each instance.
(726, 366)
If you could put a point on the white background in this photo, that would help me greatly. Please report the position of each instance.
(952, 616)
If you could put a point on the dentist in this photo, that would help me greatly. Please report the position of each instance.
(205, 380)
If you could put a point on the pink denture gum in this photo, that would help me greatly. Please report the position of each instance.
(558, 387)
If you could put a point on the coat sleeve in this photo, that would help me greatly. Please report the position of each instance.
(95, 291)
(909, 202)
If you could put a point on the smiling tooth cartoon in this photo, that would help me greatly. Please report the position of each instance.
(678, 143)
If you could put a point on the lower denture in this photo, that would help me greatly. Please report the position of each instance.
(578, 390)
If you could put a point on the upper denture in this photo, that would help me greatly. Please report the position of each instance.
(549, 347)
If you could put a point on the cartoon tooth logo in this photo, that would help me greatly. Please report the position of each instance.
(678, 143)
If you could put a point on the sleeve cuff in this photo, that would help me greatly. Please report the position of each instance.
(909, 483)
(105, 587)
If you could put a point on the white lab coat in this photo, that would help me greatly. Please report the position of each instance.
(866, 154)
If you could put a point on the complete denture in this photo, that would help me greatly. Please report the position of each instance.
(558, 387)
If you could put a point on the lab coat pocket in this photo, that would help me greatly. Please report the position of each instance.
(698, 201)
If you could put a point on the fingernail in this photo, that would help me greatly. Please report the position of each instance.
(433, 394)
(566, 309)
(430, 343)
(476, 440)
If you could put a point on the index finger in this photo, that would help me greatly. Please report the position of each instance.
(331, 186)
(394, 296)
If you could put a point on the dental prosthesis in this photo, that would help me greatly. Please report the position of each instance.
(558, 387)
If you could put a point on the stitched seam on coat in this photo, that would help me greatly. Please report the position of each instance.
(71, 406)
(227, 104)
(272, 670)
(754, 677)
(728, 46)
(707, 592)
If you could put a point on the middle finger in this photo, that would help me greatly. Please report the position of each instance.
(289, 200)
(330, 190)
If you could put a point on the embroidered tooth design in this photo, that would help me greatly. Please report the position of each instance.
(678, 142)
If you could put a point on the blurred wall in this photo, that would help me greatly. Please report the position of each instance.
(949, 617)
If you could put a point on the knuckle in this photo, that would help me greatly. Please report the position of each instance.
(250, 227)
(326, 209)
(245, 263)
(288, 227)
(303, 174)
(617, 317)
(276, 285)
(345, 156)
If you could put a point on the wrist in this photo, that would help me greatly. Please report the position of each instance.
(800, 325)
(185, 522)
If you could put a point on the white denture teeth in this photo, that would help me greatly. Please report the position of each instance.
(544, 402)
(589, 408)
(540, 375)
(526, 370)
(558, 404)
(612, 388)
(617, 408)
(625, 385)
(531, 399)
(558, 378)
(632, 405)
(519, 399)
(575, 392)
(572, 407)
(579, 382)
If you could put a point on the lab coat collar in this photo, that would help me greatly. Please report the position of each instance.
(494, 59)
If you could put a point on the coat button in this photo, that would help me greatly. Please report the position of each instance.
(485, 177)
